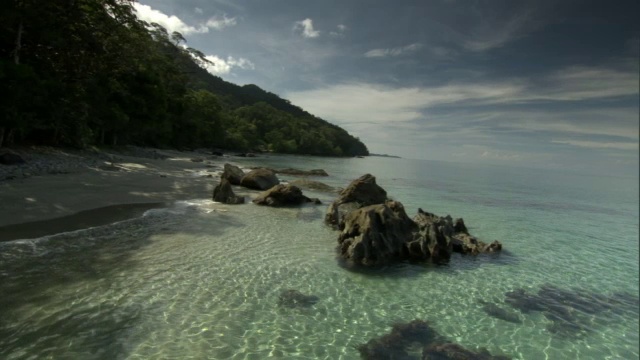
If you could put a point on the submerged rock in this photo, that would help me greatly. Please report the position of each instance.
(500, 313)
(224, 193)
(450, 351)
(232, 173)
(394, 345)
(260, 179)
(283, 195)
(295, 299)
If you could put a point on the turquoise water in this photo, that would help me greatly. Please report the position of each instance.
(201, 280)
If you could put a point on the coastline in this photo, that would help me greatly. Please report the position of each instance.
(58, 190)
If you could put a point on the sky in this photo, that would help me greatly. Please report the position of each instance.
(550, 84)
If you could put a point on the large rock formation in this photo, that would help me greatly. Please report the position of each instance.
(283, 195)
(362, 192)
(381, 233)
(376, 234)
(224, 194)
(312, 185)
(232, 173)
(260, 179)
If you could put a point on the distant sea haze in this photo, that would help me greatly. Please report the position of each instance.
(198, 279)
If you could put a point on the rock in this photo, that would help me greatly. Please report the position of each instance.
(224, 193)
(251, 155)
(11, 158)
(242, 155)
(298, 172)
(376, 234)
(395, 344)
(500, 313)
(282, 195)
(452, 351)
(260, 179)
(432, 239)
(217, 153)
(295, 299)
(312, 185)
(232, 173)
(361, 192)
(197, 159)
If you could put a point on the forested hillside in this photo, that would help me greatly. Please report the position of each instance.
(89, 72)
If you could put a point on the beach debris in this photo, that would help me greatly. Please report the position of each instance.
(283, 195)
(295, 299)
(260, 179)
(232, 173)
(224, 193)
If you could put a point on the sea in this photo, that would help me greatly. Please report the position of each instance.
(203, 280)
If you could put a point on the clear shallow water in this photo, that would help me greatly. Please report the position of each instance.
(201, 280)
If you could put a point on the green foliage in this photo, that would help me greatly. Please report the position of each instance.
(89, 72)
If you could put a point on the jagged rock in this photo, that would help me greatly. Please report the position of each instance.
(224, 193)
(450, 351)
(312, 185)
(232, 173)
(361, 192)
(260, 179)
(10, 158)
(283, 195)
(295, 299)
(376, 234)
(433, 238)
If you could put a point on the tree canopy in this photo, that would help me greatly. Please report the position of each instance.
(89, 72)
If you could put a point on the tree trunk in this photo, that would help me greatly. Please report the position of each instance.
(16, 51)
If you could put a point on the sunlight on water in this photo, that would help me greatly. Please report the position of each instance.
(202, 280)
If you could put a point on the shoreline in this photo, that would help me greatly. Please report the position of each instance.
(81, 220)
(91, 187)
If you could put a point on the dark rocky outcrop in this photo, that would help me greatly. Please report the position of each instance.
(450, 351)
(224, 193)
(260, 179)
(312, 185)
(298, 172)
(375, 230)
(295, 299)
(376, 234)
(283, 195)
(10, 158)
(362, 192)
(232, 173)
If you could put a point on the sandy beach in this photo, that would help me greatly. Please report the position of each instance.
(71, 185)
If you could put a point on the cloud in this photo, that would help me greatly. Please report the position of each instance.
(220, 22)
(341, 28)
(393, 51)
(223, 66)
(306, 28)
(599, 144)
(198, 10)
(173, 23)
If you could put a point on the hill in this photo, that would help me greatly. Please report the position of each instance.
(89, 72)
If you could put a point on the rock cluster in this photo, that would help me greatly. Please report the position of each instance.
(283, 195)
(376, 230)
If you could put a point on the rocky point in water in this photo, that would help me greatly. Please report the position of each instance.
(283, 195)
(224, 193)
(232, 173)
(260, 179)
(377, 231)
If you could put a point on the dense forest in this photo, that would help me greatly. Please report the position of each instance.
(89, 72)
